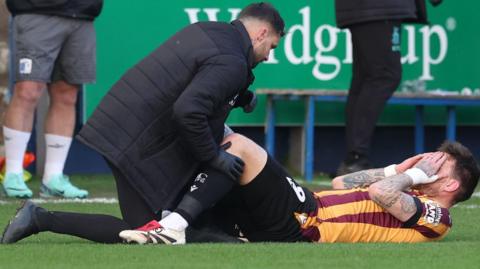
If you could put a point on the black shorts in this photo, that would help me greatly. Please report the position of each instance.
(270, 207)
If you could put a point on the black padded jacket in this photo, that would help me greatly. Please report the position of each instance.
(165, 115)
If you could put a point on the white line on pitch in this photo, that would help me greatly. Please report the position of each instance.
(67, 201)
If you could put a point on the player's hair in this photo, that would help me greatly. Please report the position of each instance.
(466, 169)
(264, 12)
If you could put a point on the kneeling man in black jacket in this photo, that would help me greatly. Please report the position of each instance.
(165, 116)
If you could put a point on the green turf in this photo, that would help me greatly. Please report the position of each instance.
(47, 250)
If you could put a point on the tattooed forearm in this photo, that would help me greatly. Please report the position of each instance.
(363, 178)
(386, 201)
(388, 191)
(408, 204)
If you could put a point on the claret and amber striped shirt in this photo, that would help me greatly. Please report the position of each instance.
(351, 216)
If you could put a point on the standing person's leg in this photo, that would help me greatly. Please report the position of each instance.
(17, 130)
(378, 44)
(59, 125)
(31, 219)
(37, 47)
(351, 104)
(75, 66)
(354, 91)
(383, 75)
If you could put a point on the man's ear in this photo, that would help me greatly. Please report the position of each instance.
(262, 34)
(452, 185)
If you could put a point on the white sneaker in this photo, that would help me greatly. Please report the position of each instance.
(153, 233)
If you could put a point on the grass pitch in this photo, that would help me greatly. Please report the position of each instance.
(460, 249)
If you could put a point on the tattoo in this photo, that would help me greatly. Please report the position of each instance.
(363, 178)
(390, 190)
(387, 199)
(408, 204)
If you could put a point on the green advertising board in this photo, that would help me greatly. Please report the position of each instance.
(313, 55)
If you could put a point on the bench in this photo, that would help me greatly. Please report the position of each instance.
(310, 97)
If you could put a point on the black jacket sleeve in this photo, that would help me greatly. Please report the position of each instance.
(217, 81)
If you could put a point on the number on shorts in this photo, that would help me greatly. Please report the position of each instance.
(297, 189)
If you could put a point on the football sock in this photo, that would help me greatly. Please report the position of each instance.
(207, 189)
(15, 146)
(174, 221)
(56, 154)
(105, 229)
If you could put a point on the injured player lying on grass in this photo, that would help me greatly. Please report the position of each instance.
(407, 202)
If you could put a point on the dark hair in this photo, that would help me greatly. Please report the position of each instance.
(264, 12)
(466, 169)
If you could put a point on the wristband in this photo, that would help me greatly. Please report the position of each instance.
(417, 176)
(390, 170)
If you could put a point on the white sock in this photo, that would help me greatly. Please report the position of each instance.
(56, 155)
(165, 213)
(15, 147)
(174, 221)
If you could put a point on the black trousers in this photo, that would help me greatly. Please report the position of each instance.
(98, 227)
(376, 74)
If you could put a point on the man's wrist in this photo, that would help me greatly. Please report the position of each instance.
(417, 175)
(390, 170)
